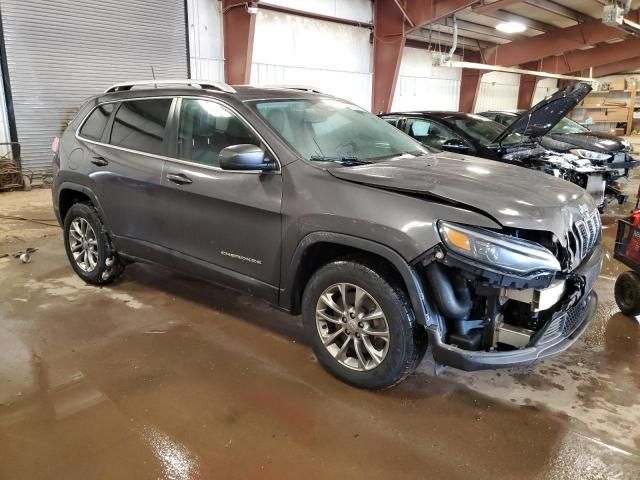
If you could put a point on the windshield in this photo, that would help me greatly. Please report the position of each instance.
(484, 131)
(330, 130)
(568, 126)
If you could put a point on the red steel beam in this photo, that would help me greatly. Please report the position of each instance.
(470, 84)
(388, 42)
(392, 21)
(592, 57)
(528, 84)
(552, 43)
(617, 67)
(238, 27)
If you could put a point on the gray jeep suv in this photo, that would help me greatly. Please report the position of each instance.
(321, 208)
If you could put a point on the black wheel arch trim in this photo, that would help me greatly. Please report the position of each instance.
(409, 276)
(67, 185)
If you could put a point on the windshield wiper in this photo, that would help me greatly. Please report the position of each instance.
(348, 161)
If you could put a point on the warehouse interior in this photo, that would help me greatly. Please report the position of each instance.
(169, 374)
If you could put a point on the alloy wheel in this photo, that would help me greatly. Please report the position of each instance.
(352, 326)
(83, 244)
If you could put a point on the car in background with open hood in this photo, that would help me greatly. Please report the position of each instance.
(567, 136)
(520, 143)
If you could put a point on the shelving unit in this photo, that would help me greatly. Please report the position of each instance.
(601, 110)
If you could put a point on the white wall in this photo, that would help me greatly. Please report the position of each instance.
(498, 91)
(359, 10)
(5, 137)
(294, 50)
(206, 50)
(421, 86)
(545, 88)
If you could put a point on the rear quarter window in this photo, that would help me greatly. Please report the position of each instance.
(95, 123)
(140, 125)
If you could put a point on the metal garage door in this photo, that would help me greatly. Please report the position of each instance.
(60, 52)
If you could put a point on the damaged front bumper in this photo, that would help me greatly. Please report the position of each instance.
(569, 319)
(563, 331)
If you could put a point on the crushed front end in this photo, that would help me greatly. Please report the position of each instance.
(595, 172)
(510, 298)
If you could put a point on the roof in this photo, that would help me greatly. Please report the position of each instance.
(240, 92)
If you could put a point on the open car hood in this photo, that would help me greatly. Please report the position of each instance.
(513, 196)
(544, 115)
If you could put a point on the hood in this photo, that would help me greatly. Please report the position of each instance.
(543, 116)
(515, 197)
(596, 141)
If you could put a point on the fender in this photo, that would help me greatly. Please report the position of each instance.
(408, 274)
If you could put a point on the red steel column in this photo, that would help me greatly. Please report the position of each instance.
(238, 27)
(528, 84)
(470, 84)
(389, 38)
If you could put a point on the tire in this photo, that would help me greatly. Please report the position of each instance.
(101, 265)
(392, 359)
(627, 293)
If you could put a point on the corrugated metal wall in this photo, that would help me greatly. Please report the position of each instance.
(60, 52)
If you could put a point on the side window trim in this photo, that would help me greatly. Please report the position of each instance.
(106, 134)
(171, 132)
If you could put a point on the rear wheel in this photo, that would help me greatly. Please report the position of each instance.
(88, 247)
(627, 293)
(361, 325)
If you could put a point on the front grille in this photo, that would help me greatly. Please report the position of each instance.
(553, 330)
(583, 236)
(574, 316)
(564, 324)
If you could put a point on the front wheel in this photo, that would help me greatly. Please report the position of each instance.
(361, 325)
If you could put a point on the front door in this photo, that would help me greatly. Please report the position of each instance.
(228, 221)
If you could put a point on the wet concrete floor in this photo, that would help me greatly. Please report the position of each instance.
(163, 376)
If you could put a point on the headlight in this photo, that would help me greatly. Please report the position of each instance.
(590, 155)
(497, 250)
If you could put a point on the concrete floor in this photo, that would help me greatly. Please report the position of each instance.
(162, 376)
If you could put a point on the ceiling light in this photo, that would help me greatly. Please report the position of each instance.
(511, 27)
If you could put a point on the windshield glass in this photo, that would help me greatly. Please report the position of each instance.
(485, 131)
(330, 130)
(568, 126)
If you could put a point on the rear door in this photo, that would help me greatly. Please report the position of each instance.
(127, 171)
(224, 221)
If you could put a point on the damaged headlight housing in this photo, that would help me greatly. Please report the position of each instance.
(589, 154)
(498, 251)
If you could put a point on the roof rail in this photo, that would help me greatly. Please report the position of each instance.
(204, 84)
(303, 88)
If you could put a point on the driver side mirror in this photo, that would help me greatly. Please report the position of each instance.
(455, 145)
(244, 157)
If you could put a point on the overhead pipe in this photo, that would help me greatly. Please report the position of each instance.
(454, 45)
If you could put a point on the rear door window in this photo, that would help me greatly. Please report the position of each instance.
(140, 125)
(94, 125)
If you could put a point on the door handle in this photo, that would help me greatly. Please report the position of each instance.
(99, 161)
(179, 178)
